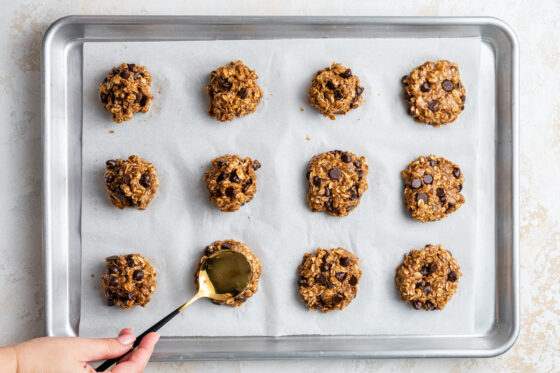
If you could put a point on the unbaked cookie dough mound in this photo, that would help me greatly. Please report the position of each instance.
(232, 181)
(130, 183)
(128, 281)
(434, 92)
(335, 90)
(233, 91)
(253, 262)
(328, 279)
(126, 91)
(432, 188)
(337, 180)
(428, 278)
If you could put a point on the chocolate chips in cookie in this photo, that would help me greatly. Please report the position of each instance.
(328, 279)
(428, 278)
(432, 188)
(232, 181)
(434, 93)
(335, 90)
(337, 180)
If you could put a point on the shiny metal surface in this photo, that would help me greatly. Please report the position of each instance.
(61, 119)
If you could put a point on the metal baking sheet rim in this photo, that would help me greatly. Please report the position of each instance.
(60, 222)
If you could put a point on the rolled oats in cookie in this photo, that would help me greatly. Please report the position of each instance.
(428, 278)
(432, 188)
(128, 281)
(337, 180)
(253, 262)
(335, 90)
(126, 91)
(232, 181)
(233, 91)
(328, 279)
(130, 183)
(434, 92)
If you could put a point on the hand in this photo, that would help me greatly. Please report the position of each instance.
(51, 354)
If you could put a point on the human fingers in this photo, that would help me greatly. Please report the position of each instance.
(137, 360)
(103, 348)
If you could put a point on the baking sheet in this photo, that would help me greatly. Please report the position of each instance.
(180, 139)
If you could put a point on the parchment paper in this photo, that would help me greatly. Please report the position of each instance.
(180, 139)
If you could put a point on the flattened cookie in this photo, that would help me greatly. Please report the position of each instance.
(432, 188)
(233, 91)
(434, 93)
(130, 183)
(126, 91)
(337, 180)
(335, 90)
(232, 181)
(253, 262)
(128, 281)
(328, 279)
(428, 278)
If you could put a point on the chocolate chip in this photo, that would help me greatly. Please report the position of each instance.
(459, 85)
(428, 179)
(138, 275)
(433, 267)
(242, 93)
(130, 262)
(425, 87)
(418, 285)
(112, 258)
(440, 192)
(347, 74)
(114, 281)
(110, 302)
(346, 158)
(144, 101)
(337, 298)
(433, 105)
(136, 75)
(431, 162)
(109, 179)
(327, 192)
(425, 270)
(338, 95)
(111, 294)
(241, 298)
(456, 172)
(126, 179)
(416, 304)
(422, 196)
(209, 250)
(230, 192)
(220, 177)
(247, 183)
(104, 98)
(452, 276)
(427, 289)
(112, 269)
(407, 96)
(340, 276)
(302, 281)
(404, 80)
(317, 181)
(256, 165)
(429, 305)
(325, 267)
(415, 183)
(138, 97)
(353, 281)
(460, 187)
(354, 193)
(111, 164)
(227, 245)
(334, 173)
(330, 85)
(358, 163)
(145, 180)
(125, 74)
(120, 194)
(359, 90)
(321, 279)
(129, 296)
(224, 83)
(234, 178)
(360, 173)
(447, 85)
(450, 207)
(345, 261)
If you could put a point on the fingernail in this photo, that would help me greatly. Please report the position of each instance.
(157, 338)
(126, 339)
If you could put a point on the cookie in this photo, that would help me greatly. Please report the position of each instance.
(233, 91)
(130, 183)
(432, 188)
(128, 281)
(337, 181)
(434, 93)
(428, 278)
(126, 91)
(232, 181)
(253, 262)
(335, 90)
(328, 279)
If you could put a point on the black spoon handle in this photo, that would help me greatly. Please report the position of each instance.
(154, 328)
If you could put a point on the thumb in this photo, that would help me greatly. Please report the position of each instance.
(104, 348)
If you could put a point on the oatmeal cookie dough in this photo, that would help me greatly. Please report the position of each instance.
(128, 281)
(337, 180)
(428, 278)
(335, 90)
(432, 188)
(253, 262)
(434, 93)
(328, 279)
(130, 183)
(233, 91)
(232, 181)
(126, 91)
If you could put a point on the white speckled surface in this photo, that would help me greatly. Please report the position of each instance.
(22, 24)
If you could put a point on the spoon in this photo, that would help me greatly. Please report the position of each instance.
(223, 275)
